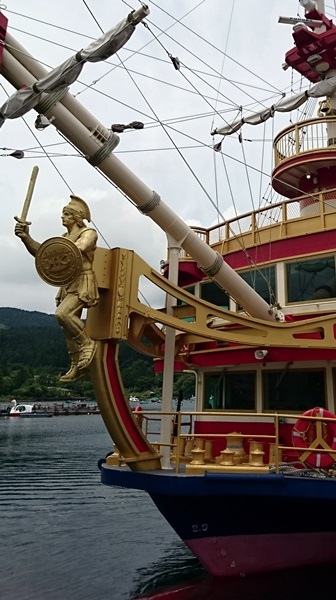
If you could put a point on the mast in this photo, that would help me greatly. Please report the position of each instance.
(96, 143)
(306, 168)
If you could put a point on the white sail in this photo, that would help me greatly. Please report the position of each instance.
(65, 74)
(322, 88)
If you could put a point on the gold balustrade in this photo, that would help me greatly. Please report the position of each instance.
(196, 459)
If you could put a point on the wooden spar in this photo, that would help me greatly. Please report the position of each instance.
(29, 195)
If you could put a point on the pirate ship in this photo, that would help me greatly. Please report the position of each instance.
(250, 309)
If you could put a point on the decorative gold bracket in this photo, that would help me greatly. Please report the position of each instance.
(121, 315)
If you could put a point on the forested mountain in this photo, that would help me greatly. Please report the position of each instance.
(31, 339)
(15, 317)
(33, 354)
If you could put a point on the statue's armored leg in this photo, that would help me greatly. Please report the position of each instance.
(73, 373)
(87, 349)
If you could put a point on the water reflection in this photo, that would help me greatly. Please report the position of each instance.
(65, 536)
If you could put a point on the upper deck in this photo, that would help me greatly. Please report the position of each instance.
(305, 156)
(271, 223)
(304, 161)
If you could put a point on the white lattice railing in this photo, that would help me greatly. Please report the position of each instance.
(305, 136)
(280, 219)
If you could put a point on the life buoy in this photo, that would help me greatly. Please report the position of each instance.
(314, 434)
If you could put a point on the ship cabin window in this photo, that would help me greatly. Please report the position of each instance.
(311, 279)
(230, 391)
(297, 390)
(212, 292)
(263, 282)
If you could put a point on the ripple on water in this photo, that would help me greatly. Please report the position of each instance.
(65, 535)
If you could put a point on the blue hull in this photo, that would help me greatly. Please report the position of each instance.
(238, 523)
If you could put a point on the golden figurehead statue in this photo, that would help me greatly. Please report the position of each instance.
(66, 261)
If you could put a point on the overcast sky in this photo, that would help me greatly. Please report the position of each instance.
(144, 87)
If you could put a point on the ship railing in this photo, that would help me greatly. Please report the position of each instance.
(308, 136)
(274, 220)
(183, 431)
(152, 426)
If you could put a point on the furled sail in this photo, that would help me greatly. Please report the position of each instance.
(322, 88)
(65, 74)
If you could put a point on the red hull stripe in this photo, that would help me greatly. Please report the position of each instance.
(256, 554)
(120, 402)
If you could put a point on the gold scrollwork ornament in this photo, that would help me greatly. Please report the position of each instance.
(58, 261)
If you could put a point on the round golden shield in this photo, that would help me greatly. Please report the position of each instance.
(58, 261)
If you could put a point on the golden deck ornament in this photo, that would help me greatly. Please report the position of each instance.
(58, 261)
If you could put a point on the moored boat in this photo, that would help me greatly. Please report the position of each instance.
(18, 409)
(27, 411)
(133, 400)
(253, 316)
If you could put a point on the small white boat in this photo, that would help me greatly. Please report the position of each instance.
(18, 409)
(26, 410)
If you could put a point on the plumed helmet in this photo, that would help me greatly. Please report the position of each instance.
(79, 207)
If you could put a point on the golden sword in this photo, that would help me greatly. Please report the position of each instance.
(30, 190)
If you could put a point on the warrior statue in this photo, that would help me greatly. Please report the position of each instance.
(69, 257)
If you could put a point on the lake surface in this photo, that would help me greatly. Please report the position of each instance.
(65, 536)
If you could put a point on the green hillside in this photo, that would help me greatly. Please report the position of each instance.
(15, 317)
(33, 355)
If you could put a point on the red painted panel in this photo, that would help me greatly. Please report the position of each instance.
(284, 249)
(308, 43)
(240, 555)
(246, 356)
(279, 250)
(287, 176)
(208, 428)
(120, 400)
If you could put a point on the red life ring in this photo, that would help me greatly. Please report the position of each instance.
(310, 435)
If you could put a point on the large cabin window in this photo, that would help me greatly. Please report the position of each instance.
(230, 391)
(211, 292)
(288, 390)
(311, 279)
(263, 282)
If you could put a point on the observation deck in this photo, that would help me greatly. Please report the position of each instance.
(305, 158)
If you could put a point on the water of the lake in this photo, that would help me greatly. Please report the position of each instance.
(65, 536)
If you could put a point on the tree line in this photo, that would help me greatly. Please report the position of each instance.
(33, 355)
